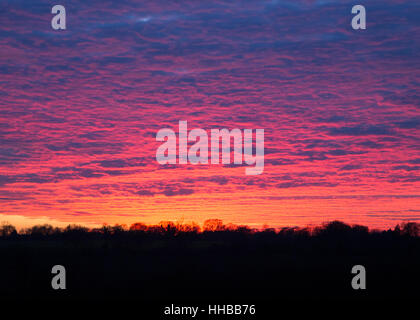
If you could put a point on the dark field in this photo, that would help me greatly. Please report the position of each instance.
(166, 264)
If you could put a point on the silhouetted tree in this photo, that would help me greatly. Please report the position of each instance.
(189, 227)
(411, 229)
(7, 230)
(168, 227)
(213, 225)
(335, 228)
(75, 229)
(360, 229)
(42, 230)
(138, 226)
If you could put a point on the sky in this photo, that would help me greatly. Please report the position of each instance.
(80, 109)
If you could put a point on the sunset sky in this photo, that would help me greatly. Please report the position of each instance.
(80, 109)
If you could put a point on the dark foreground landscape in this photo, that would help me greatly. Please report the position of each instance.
(183, 263)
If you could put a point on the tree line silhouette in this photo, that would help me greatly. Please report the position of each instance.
(169, 228)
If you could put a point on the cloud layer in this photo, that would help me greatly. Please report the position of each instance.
(80, 108)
